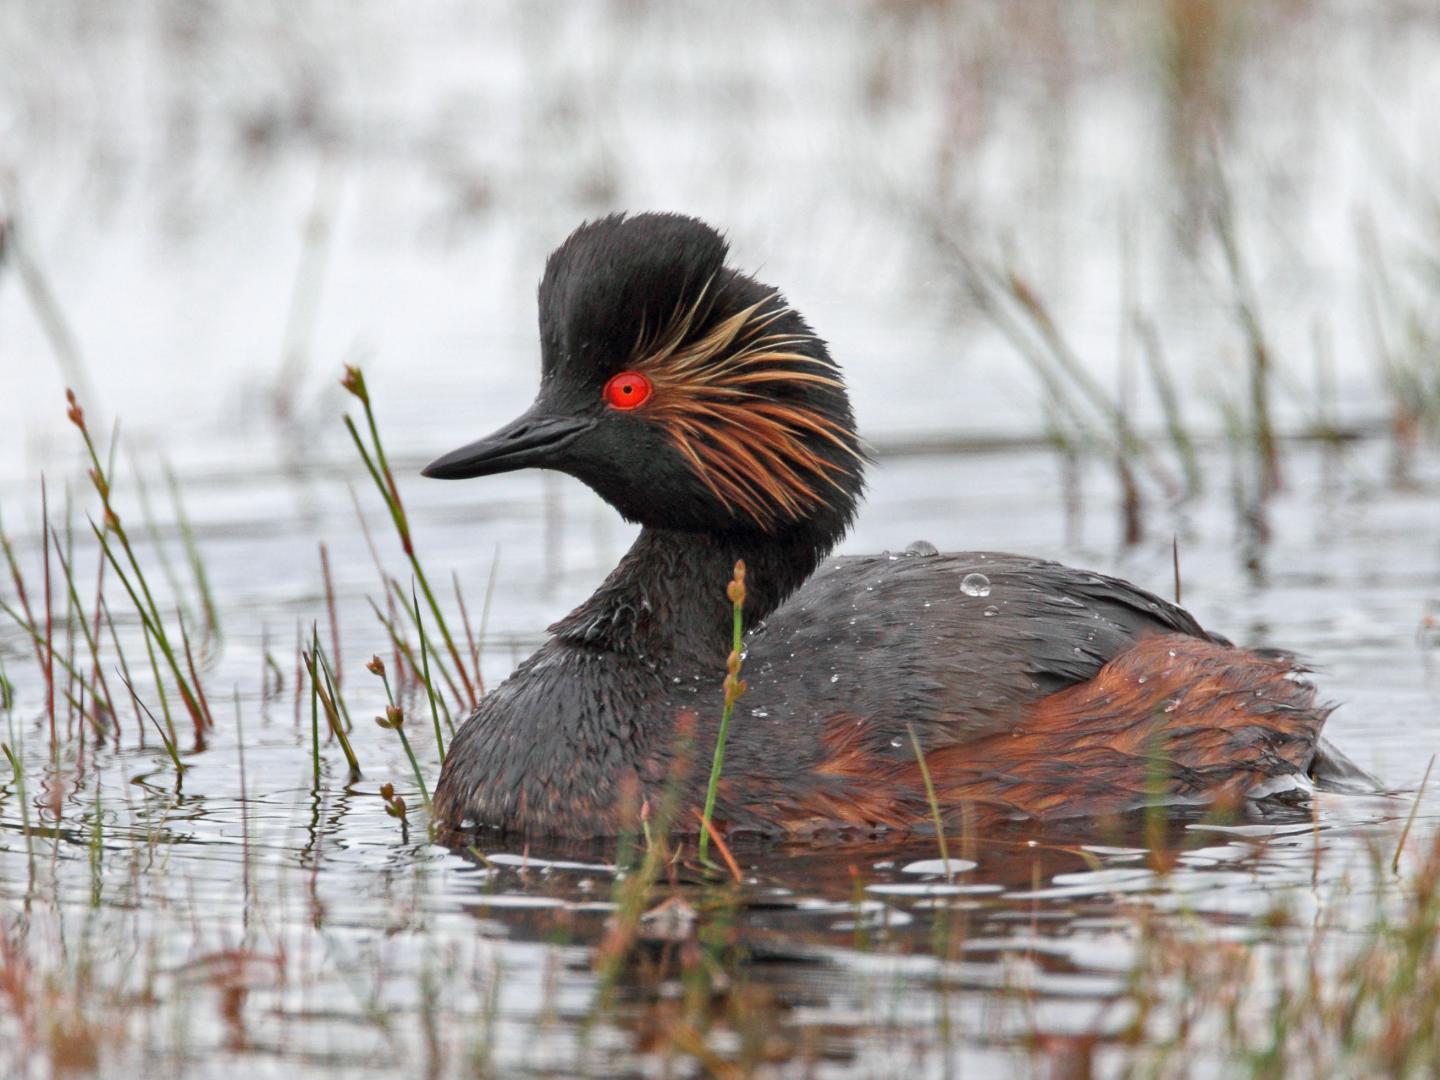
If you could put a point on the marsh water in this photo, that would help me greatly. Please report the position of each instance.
(372, 197)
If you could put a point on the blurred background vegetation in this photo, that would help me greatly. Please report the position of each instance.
(209, 205)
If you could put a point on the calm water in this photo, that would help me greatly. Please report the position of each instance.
(228, 206)
(244, 918)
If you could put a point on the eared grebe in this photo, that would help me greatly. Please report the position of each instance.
(698, 404)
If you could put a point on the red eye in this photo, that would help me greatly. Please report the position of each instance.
(628, 390)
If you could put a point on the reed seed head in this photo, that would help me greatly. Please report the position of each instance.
(736, 589)
(376, 666)
(75, 413)
(354, 382)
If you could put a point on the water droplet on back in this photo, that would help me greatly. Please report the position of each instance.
(975, 585)
(991, 609)
(897, 742)
(922, 547)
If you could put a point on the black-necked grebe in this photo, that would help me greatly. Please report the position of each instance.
(698, 404)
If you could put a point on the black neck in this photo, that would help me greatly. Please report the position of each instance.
(666, 600)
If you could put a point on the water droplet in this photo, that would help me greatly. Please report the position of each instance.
(759, 712)
(991, 609)
(1143, 678)
(927, 603)
(897, 742)
(922, 547)
(1078, 651)
(1172, 704)
(835, 678)
(676, 679)
(1172, 652)
(975, 585)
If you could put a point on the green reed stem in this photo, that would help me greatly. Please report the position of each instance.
(320, 671)
(314, 726)
(734, 687)
(152, 532)
(36, 635)
(354, 382)
(19, 579)
(413, 611)
(1409, 821)
(429, 686)
(192, 555)
(405, 742)
(149, 611)
(169, 742)
(16, 759)
(90, 638)
(159, 686)
(150, 620)
(334, 685)
(406, 651)
(103, 609)
(931, 798)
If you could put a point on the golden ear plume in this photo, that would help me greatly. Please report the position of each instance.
(753, 451)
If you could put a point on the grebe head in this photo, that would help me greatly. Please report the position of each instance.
(686, 394)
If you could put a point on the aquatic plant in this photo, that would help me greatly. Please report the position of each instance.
(734, 687)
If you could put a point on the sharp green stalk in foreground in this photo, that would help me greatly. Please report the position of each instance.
(101, 690)
(16, 758)
(394, 720)
(734, 687)
(934, 802)
(192, 555)
(327, 695)
(314, 727)
(429, 687)
(1409, 821)
(354, 382)
(412, 612)
(170, 747)
(152, 533)
(147, 609)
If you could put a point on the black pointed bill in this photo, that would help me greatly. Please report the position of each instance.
(534, 440)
